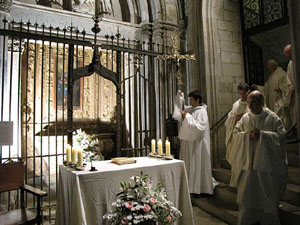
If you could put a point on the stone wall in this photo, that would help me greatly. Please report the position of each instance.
(228, 52)
(272, 43)
(220, 57)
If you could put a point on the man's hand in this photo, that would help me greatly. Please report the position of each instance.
(183, 113)
(238, 117)
(180, 93)
(254, 134)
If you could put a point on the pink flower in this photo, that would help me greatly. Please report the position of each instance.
(124, 220)
(147, 208)
(129, 205)
(169, 218)
(152, 201)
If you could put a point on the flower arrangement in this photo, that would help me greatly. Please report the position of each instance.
(140, 203)
(89, 145)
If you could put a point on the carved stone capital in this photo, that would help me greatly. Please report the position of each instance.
(146, 27)
(162, 32)
(5, 5)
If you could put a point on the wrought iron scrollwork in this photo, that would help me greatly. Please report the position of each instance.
(273, 10)
(260, 12)
(251, 13)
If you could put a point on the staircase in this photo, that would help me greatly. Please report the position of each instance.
(223, 203)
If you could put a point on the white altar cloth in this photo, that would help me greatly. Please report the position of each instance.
(84, 196)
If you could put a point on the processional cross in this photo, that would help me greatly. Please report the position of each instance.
(177, 57)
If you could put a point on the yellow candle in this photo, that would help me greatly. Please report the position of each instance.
(153, 146)
(79, 157)
(73, 155)
(159, 144)
(168, 148)
(68, 153)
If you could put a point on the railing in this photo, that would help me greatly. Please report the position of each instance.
(219, 122)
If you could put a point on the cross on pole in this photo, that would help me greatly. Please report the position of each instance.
(177, 57)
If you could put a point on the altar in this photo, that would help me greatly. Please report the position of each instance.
(84, 196)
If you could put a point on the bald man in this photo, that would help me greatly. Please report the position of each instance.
(287, 51)
(259, 167)
(276, 86)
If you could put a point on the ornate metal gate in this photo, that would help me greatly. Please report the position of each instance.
(38, 67)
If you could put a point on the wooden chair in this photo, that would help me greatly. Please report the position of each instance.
(12, 178)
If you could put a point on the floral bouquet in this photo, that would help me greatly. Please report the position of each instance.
(141, 203)
(89, 145)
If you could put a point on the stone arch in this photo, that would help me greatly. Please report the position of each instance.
(125, 11)
(171, 11)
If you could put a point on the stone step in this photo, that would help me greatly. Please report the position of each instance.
(225, 164)
(227, 194)
(220, 209)
(292, 194)
(289, 214)
(294, 175)
(223, 176)
(293, 160)
(292, 149)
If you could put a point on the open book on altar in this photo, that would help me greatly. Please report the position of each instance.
(123, 160)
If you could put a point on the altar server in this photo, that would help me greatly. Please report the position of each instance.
(239, 108)
(195, 144)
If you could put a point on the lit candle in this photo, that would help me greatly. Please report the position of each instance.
(168, 148)
(153, 146)
(79, 157)
(68, 153)
(159, 144)
(97, 8)
(73, 155)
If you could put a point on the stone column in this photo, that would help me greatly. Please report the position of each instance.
(294, 9)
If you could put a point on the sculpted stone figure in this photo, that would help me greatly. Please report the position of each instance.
(84, 6)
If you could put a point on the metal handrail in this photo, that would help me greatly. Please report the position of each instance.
(294, 141)
(291, 128)
(220, 121)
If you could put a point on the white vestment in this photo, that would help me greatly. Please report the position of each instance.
(291, 93)
(195, 149)
(277, 101)
(259, 167)
(179, 104)
(239, 107)
(274, 81)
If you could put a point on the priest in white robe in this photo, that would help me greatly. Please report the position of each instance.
(276, 91)
(259, 165)
(195, 144)
(239, 108)
(287, 51)
(274, 86)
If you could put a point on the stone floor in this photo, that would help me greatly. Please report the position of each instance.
(203, 218)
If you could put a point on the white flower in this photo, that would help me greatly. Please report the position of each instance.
(129, 217)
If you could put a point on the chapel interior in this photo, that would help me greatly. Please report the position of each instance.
(112, 68)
